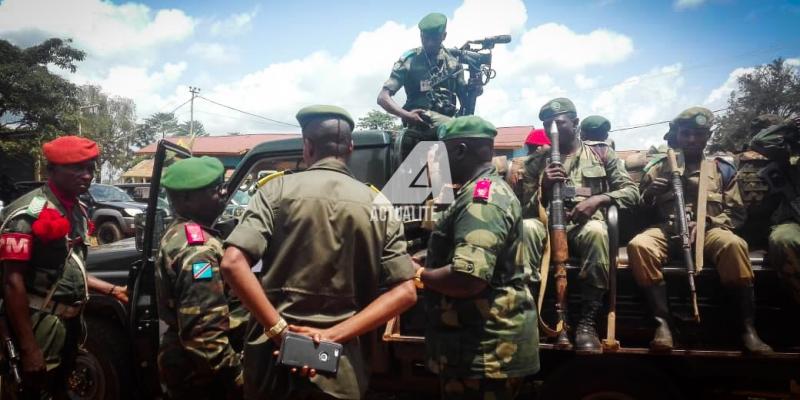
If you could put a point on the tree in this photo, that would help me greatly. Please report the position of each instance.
(378, 120)
(773, 88)
(183, 129)
(156, 126)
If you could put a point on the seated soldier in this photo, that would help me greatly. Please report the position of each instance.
(594, 128)
(649, 250)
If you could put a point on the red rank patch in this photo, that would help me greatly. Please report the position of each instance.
(194, 233)
(482, 189)
(15, 247)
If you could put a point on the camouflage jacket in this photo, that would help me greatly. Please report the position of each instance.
(781, 144)
(724, 208)
(587, 173)
(495, 334)
(191, 297)
(59, 262)
(417, 74)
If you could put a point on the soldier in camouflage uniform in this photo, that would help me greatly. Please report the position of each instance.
(433, 78)
(482, 336)
(324, 258)
(195, 359)
(594, 128)
(649, 250)
(781, 144)
(599, 179)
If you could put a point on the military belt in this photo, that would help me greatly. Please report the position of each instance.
(61, 310)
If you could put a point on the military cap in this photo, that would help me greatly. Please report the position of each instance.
(193, 173)
(692, 118)
(70, 150)
(433, 23)
(537, 137)
(470, 126)
(306, 114)
(595, 127)
(556, 107)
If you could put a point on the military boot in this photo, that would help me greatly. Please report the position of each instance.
(747, 309)
(586, 340)
(657, 300)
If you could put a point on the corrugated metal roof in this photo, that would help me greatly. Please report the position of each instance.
(511, 137)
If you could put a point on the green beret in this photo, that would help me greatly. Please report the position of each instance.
(470, 126)
(556, 107)
(193, 173)
(595, 127)
(433, 23)
(691, 118)
(306, 114)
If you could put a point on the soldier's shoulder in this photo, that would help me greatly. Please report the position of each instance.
(410, 53)
(28, 205)
(656, 162)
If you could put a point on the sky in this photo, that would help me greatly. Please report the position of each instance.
(634, 62)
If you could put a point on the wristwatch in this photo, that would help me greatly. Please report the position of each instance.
(418, 279)
(276, 329)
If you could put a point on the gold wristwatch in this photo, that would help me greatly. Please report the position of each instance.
(418, 279)
(276, 329)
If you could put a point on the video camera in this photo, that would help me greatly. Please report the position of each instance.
(477, 55)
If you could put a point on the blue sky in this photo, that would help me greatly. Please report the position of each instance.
(633, 61)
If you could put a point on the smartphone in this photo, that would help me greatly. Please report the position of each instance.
(300, 350)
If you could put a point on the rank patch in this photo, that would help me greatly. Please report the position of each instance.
(201, 270)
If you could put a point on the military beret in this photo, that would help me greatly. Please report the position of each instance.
(470, 126)
(193, 173)
(306, 114)
(433, 23)
(692, 118)
(70, 150)
(537, 137)
(595, 127)
(556, 107)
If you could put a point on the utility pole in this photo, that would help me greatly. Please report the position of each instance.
(80, 116)
(194, 91)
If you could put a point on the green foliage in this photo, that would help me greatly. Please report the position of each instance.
(378, 120)
(154, 127)
(199, 130)
(773, 88)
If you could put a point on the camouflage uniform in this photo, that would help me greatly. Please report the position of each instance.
(324, 258)
(780, 143)
(56, 269)
(196, 359)
(482, 344)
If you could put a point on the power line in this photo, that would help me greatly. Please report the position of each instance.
(632, 127)
(179, 107)
(248, 113)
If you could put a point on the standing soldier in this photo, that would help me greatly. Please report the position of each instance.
(195, 359)
(598, 178)
(324, 258)
(482, 337)
(433, 78)
(594, 128)
(649, 250)
(43, 252)
(781, 144)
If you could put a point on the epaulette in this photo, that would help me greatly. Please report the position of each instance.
(374, 189)
(194, 234)
(263, 181)
(409, 53)
(658, 158)
(483, 189)
(36, 205)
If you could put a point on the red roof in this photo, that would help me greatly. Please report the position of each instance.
(511, 137)
(228, 145)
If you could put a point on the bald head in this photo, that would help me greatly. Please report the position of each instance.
(328, 136)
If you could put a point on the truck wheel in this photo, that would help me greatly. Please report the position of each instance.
(108, 232)
(103, 366)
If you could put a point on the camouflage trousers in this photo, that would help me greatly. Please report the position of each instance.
(650, 250)
(784, 255)
(415, 134)
(479, 389)
(184, 379)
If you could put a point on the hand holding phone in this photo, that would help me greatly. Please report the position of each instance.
(300, 351)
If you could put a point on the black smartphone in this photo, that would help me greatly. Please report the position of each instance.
(300, 350)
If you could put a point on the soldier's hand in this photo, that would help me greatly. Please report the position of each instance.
(584, 210)
(121, 293)
(414, 117)
(553, 173)
(306, 371)
(657, 187)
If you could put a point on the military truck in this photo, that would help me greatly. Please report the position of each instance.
(119, 360)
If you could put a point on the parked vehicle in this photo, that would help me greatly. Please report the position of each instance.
(112, 211)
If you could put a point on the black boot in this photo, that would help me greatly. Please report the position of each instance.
(586, 340)
(747, 309)
(657, 300)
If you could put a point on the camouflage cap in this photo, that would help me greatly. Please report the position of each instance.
(433, 23)
(470, 126)
(552, 108)
(595, 127)
(306, 114)
(193, 173)
(764, 121)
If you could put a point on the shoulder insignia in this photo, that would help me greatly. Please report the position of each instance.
(408, 54)
(36, 205)
(202, 271)
(482, 189)
(658, 158)
(194, 234)
(263, 181)
(373, 188)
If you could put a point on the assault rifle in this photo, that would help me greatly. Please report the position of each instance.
(477, 55)
(10, 355)
(559, 252)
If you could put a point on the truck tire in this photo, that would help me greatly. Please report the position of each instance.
(103, 369)
(108, 232)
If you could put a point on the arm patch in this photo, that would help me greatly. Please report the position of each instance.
(15, 246)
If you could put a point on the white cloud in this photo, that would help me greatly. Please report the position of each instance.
(584, 83)
(235, 24)
(686, 4)
(718, 97)
(215, 53)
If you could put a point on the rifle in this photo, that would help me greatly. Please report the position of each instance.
(10, 353)
(559, 252)
(682, 230)
(479, 65)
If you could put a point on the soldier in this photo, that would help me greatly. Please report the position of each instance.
(649, 250)
(594, 128)
(599, 179)
(781, 144)
(195, 359)
(324, 258)
(43, 252)
(432, 78)
(481, 337)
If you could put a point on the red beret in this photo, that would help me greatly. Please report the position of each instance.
(70, 150)
(537, 137)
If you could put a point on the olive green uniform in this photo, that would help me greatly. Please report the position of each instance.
(649, 250)
(487, 343)
(780, 143)
(324, 258)
(196, 359)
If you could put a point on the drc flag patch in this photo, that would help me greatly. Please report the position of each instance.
(201, 270)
